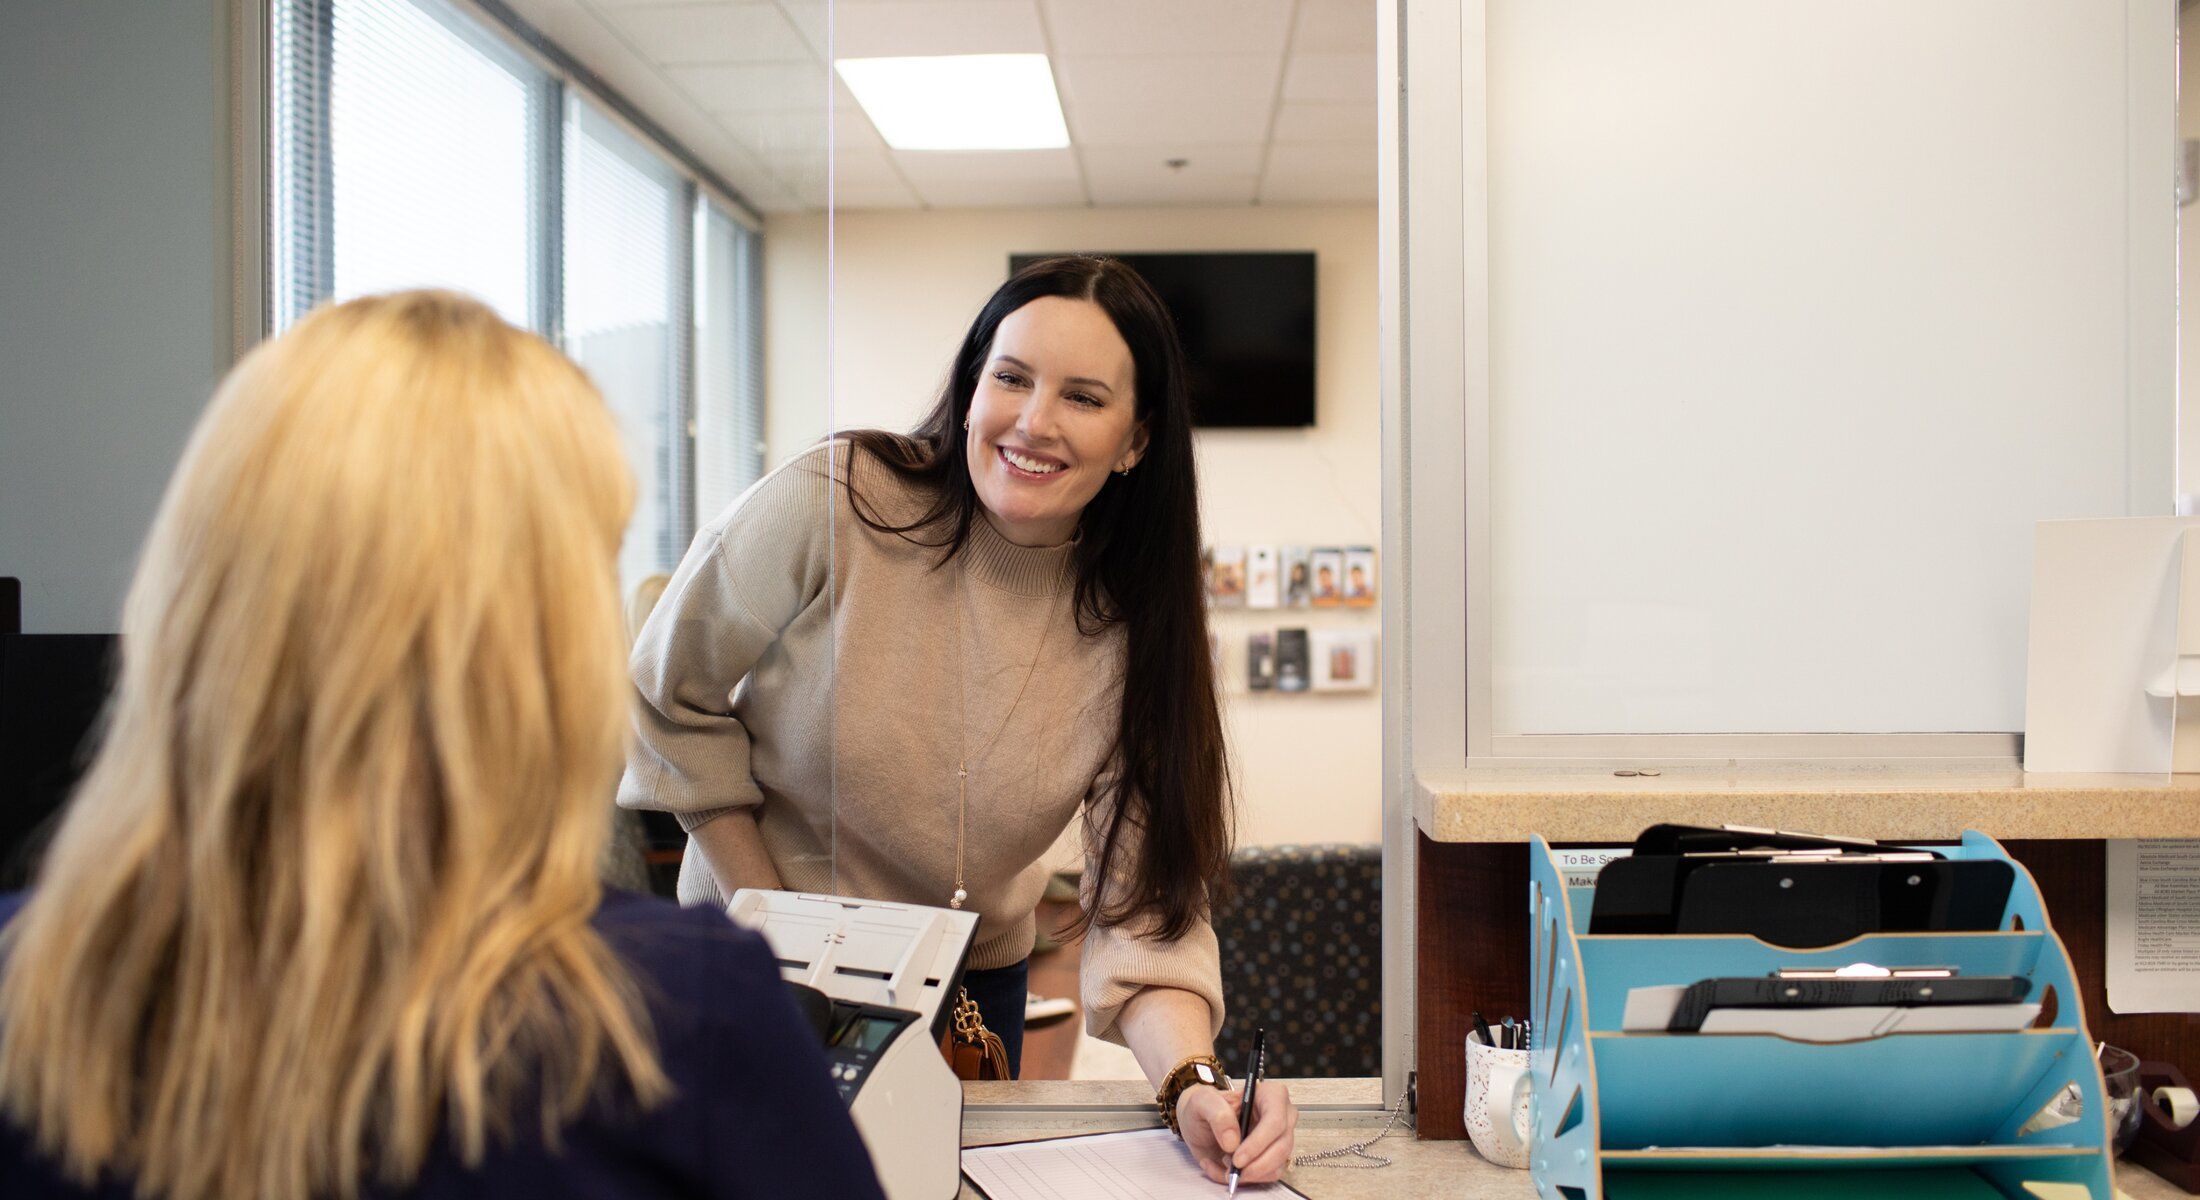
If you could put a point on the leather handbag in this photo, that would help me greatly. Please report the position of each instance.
(972, 1050)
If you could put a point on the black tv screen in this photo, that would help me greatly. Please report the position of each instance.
(1247, 324)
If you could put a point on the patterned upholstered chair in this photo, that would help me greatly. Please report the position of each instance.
(1302, 945)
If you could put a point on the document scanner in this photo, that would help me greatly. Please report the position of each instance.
(877, 981)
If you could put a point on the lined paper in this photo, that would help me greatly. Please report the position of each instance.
(1144, 1164)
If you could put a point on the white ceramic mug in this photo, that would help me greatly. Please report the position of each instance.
(1499, 1094)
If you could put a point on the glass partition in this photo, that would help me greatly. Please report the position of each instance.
(1227, 155)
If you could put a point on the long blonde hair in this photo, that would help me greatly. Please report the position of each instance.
(325, 893)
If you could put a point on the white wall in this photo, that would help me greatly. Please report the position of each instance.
(114, 283)
(905, 287)
(2188, 268)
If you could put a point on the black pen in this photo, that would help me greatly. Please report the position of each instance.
(1483, 1027)
(1245, 1114)
(1508, 1033)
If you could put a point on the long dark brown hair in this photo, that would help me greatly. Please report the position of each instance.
(1137, 566)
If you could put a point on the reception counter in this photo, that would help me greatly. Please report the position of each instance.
(1332, 1113)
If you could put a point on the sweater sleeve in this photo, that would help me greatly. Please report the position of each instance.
(748, 575)
(1120, 960)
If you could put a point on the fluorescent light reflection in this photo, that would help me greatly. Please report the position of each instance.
(960, 101)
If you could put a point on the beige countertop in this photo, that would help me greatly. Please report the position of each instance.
(1333, 1113)
(1573, 804)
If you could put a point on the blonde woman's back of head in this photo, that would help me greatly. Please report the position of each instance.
(325, 893)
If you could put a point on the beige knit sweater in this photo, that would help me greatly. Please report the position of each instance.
(802, 671)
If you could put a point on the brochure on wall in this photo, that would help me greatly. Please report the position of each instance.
(1226, 576)
(1343, 660)
(1298, 577)
(1263, 589)
(1328, 576)
(2154, 925)
(1293, 664)
(1260, 662)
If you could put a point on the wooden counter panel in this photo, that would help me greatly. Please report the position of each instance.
(2072, 877)
(1472, 943)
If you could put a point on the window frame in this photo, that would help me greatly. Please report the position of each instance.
(1447, 505)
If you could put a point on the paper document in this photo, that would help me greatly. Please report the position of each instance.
(1144, 1164)
(1581, 865)
(2154, 925)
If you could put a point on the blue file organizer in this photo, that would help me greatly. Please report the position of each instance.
(1612, 1107)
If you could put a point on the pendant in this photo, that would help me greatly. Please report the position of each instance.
(956, 900)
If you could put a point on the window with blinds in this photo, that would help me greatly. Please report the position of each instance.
(409, 150)
(413, 144)
(627, 276)
(729, 360)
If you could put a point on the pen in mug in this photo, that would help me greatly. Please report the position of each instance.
(1245, 1113)
(1508, 1035)
(1482, 1027)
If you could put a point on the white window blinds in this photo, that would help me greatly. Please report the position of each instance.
(729, 362)
(627, 276)
(407, 153)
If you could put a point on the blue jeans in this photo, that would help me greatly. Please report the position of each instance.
(999, 994)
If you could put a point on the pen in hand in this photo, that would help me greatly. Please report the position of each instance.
(1245, 1114)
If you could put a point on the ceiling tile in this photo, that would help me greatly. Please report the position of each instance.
(1141, 174)
(893, 194)
(1297, 122)
(791, 130)
(754, 87)
(1351, 159)
(1208, 189)
(863, 168)
(927, 27)
(927, 167)
(1246, 27)
(581, 32)
(1333, 77)
(1135, 100)
(1324, 189)
(770, 133)
(1001, 193)
(810, 18)
(1152, 161)
(712, 33)
(778, 201)
(1336, 26)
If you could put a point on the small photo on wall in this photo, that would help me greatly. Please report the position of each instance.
(1343, 660)
(1328, 576)
(1298, 577)
(1359, 576)
(1263, 589)
(1229, 577)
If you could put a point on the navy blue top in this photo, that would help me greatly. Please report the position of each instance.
(755, 1114)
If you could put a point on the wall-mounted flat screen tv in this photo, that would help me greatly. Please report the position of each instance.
(1247, 323)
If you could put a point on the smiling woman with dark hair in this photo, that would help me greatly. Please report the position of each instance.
(901, 665)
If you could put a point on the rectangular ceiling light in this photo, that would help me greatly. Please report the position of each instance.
(960, 101)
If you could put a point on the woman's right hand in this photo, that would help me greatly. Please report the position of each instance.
(1207, 1119)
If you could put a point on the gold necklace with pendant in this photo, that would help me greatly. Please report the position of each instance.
(956, 898)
